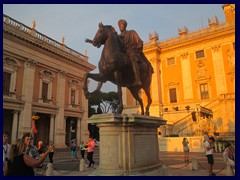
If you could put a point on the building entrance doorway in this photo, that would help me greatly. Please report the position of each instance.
(71, 130)
(7, 123)
(43, 128)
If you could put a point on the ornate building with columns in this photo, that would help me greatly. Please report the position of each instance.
(42, 77)
(194, 71)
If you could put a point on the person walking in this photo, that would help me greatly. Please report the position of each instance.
(73, 150)
(21, 164)
(185, 149)
(209, 148)
(6, 149)
(90, 149)
(82, 149)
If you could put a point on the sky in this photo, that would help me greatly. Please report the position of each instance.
(76, 22)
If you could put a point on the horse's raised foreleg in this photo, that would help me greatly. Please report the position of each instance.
(135, 93)
(96, 77)
(85, 86)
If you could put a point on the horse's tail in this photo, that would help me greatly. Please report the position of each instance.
(149, 65)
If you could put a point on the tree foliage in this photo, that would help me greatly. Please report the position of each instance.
(103, 103)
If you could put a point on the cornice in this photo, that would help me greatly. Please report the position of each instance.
(196, 38)
(22, 33)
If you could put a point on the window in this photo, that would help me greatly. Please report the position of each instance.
(45, 92)
(200, 54)
(46, 86)
(73, 94)
(173, 95)
(10, 67)
(170, 61)
(204, 91)
(73, 97)
(6, 83)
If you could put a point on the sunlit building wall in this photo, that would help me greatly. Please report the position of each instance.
(43, 77)
(192, 71)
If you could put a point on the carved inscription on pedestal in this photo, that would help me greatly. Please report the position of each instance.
(145, 150)
(109, 152)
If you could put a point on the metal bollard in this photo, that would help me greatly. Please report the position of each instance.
(229, 170)
(165, 170)
(82, 165)
(49, 171)
(194, 164)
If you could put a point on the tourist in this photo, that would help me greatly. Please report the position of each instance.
(22, 164)
(31, 150)
(6, 149)
(73, 150)
(209, 148)
(50, 156)
(228, 155)
(82, 149)
(40, 148)
(90, 149)
(185, 149)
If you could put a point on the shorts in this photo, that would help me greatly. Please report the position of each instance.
(73, 153)
(185, 149)
(210, 159)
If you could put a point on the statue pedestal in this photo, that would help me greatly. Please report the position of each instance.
(128, 145)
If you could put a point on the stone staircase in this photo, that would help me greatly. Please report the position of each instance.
(184, 124)
(187, 122)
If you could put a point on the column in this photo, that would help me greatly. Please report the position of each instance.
(15, 125)
(60, 119)
(84, 125)
(27, 95)
(52, 128)
(78, 137)
(186, 77)
(156, 87)
(218, 66)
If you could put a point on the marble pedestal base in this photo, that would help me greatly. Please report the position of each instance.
(128, 145)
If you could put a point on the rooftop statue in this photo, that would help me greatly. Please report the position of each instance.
(122, 62)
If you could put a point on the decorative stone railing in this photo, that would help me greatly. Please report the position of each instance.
(191, 35)
(41, 38)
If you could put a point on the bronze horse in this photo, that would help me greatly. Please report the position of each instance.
(115, 66)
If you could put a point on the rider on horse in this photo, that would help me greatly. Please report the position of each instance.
(132, 46)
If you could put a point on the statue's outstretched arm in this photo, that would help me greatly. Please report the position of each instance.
(88, 41)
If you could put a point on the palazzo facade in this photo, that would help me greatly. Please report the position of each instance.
(193, 72)
(42, 77)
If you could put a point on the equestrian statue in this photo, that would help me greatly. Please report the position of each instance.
(122, 62)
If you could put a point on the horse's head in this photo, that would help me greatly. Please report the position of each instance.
(102, 34)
